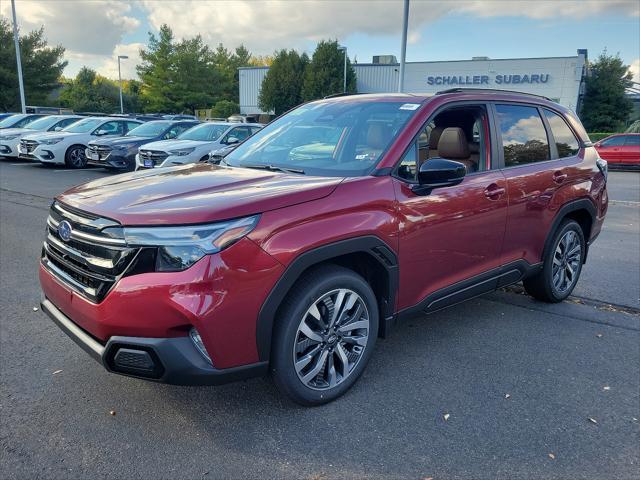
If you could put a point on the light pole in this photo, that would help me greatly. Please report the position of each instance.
(121, 57)
(403, 47)
(344, 74)
(18, 60)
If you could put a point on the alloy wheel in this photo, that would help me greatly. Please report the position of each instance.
(566, 262)
(77, 157)
(331, 339)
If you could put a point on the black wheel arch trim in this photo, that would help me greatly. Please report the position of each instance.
(566, 209)
(369, 244)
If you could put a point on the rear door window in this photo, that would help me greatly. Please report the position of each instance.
(613, 142)
(632, 140)
(565, 140)
(524, 138)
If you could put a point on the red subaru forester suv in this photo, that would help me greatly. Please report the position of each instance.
(316, 234)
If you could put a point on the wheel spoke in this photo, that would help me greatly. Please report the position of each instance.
(354, 326)
(309, 333)
(337, 306)
(344, 360)
(355, 340)
(332, 377)
(304, 361)
(322, 358)
(315, 313)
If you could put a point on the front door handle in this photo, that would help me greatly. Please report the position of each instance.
(559, 177)
(494, 192)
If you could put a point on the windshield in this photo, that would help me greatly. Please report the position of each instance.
(206, 133)
(149, 130)
(343, 139)
(83, 126)
(13, 119)
(43, 123)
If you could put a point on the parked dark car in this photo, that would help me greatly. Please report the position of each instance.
(392, 205)
(120, 153)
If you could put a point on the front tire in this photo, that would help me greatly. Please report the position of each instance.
(75, 157)
(561, 266)
(325, 333)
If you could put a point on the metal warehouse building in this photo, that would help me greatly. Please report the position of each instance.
(559, 78)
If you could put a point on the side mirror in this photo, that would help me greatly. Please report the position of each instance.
(57, 129)
(232, 140)
(100, 133)
(597, 144)
(437, 173)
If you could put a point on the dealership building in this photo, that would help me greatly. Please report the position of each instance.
(558, 78)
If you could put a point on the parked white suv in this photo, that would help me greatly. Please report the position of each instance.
(10, 137)
(68, 145)
(193, 145)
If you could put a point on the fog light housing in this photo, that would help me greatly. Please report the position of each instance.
(197, 341)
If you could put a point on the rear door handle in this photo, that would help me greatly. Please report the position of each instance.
(559, 177)
(494, 192)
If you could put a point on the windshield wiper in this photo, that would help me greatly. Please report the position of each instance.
(274, 168)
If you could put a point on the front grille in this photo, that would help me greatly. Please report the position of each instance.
(28, 146)
(92, 258)
(102, 151)
(156, 156)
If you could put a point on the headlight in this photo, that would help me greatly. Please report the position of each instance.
(181, 152)
(51, 141)
(9, 137)
(181, 247)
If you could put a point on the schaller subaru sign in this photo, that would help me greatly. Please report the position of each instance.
(486, 79)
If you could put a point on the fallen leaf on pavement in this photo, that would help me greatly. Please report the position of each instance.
(56, 372)
(592, 420)
(35, 309)
(446, 416)
(112, 413)
(552, 456)
(506, 395)
(599, 335)
(607, 388)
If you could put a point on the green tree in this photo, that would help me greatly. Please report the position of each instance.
(41, 67)
(282, 85)
(325, 73)
(605, 107)
(224, 109)
(156, 72)
(90, 92)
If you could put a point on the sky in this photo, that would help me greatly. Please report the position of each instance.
(94, 32)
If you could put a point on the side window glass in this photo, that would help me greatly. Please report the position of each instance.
(132, 125)
(408, 168)
(524, 138)
(614, 142)
(632, 140)
(566, 141)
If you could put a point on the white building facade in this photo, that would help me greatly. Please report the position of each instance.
(558, 78)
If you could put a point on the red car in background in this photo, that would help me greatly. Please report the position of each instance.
(621, 150)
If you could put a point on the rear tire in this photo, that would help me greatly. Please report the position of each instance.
(75, 157)
(318, 353)
(561, 266)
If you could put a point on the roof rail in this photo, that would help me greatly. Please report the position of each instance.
(341, 94)
(489, 90)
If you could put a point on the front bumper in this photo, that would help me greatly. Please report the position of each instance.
(45, 154)
(168, 360)
(8, 150)
(119, 160)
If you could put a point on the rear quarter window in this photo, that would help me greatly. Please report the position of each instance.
(566, 142)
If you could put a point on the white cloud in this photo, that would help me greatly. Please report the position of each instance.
(266, 25)
(635, 70)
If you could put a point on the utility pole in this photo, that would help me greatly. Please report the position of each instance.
(18, 60)
(344, 74)
(403, 50)
(120, 80)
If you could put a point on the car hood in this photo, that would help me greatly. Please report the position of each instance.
(166, 145)
(43, 135)
(197, 193)
(16, 131)
(121, 141)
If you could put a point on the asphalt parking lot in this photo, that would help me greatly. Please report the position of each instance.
(529, 390)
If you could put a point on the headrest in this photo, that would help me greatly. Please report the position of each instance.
(453, 144)
(434, 138)
(375, 136)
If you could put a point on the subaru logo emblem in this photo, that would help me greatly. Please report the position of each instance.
(64, 230)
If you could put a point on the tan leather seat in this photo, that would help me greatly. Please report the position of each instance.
(434, 138)
(453, 145)
(474, 153)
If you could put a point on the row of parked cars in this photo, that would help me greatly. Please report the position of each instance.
(118, 143)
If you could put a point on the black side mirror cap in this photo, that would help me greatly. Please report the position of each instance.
(438, 173)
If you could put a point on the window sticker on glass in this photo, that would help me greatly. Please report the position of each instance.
(409, 106)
